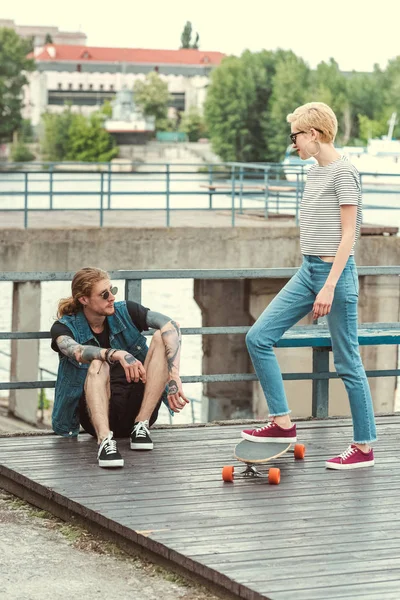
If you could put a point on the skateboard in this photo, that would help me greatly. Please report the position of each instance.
(257, 453)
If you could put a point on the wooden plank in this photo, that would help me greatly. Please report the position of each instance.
(338, 531)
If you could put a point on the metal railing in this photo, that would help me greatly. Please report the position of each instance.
(133, 291)
(54, 186)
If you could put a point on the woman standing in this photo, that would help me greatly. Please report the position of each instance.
(326, 284)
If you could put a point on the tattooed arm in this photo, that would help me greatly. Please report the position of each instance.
(83, 354)
(171, 336)
(134, 370)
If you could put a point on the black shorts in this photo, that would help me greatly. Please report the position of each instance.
(125, 402)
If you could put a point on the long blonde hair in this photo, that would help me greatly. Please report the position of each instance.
(82, 285)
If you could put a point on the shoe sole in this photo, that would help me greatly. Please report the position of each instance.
(339, 467)
(141, 446)
(277, 440)
(111, 463)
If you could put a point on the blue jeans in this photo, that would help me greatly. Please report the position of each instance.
(293, 303)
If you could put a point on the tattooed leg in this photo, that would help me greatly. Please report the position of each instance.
(157, 376)
(172, 340)
(97, 394)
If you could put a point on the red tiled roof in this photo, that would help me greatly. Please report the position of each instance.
(59, 52)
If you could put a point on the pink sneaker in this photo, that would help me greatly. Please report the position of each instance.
(352, 458)
(271, 433)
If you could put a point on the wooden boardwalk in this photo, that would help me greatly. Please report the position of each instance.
(319, 535)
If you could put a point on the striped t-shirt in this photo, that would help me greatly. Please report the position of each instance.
(326, 190)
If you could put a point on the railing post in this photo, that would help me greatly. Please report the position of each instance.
(266, 192)
(133, 290)
(51, 186)
(26, 200)
(109, 186)
(320, 387)
(210, 182)
(241, 190)
(101, 198)
(233, 194)
(167, 191)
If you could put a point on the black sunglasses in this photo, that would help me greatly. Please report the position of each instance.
(106, 294)
(293, 136)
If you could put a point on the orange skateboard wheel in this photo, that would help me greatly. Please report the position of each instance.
(227, 473)
(274, 476)
(299, 451)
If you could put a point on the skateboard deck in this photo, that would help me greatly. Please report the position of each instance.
(257, 452)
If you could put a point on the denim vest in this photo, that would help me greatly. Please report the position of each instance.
(72, 374)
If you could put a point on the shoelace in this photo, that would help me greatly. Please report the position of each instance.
(141, 429)
(270, 424)
(350, 450)
(110, 445)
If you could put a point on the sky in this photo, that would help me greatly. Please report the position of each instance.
(356, 33)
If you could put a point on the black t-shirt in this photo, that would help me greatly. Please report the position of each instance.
(137, 312)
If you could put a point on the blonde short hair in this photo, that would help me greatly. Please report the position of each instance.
(316, 115)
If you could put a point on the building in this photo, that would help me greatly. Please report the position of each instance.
(39, 34)
(86, 76)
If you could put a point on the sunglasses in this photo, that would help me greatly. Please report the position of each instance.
(293, 136)
(106, 294)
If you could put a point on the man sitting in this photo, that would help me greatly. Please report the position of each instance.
(108, 380)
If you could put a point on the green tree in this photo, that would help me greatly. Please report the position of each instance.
(13, 66)
(329, 85)
(106, 109)
(152, 97)
(193, 124)
(371, 128)
(290, 89)
(48, 39)
(186, 37)
(247, 104)
(88, 141)
(55, 134)
(21, 153)
(365, 95)
(26, 132)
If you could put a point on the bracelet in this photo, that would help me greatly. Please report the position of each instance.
(110, 355)
(107, 357)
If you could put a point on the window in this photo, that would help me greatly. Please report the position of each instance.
(111, 87)
(78, 68)
(101, 87)
(70, 86)
(90, 86)
(60, 86)
(80, 86)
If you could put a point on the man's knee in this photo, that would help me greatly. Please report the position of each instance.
(157, 337)
(98, 369)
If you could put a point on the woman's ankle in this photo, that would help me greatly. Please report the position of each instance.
(363, 447)
(283, 421)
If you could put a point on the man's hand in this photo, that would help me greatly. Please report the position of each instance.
(323, 302)
(134, 370)
(176, 398)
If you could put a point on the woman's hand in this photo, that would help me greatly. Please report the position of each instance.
(134, 370)
(323, 301)
(176, 398)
